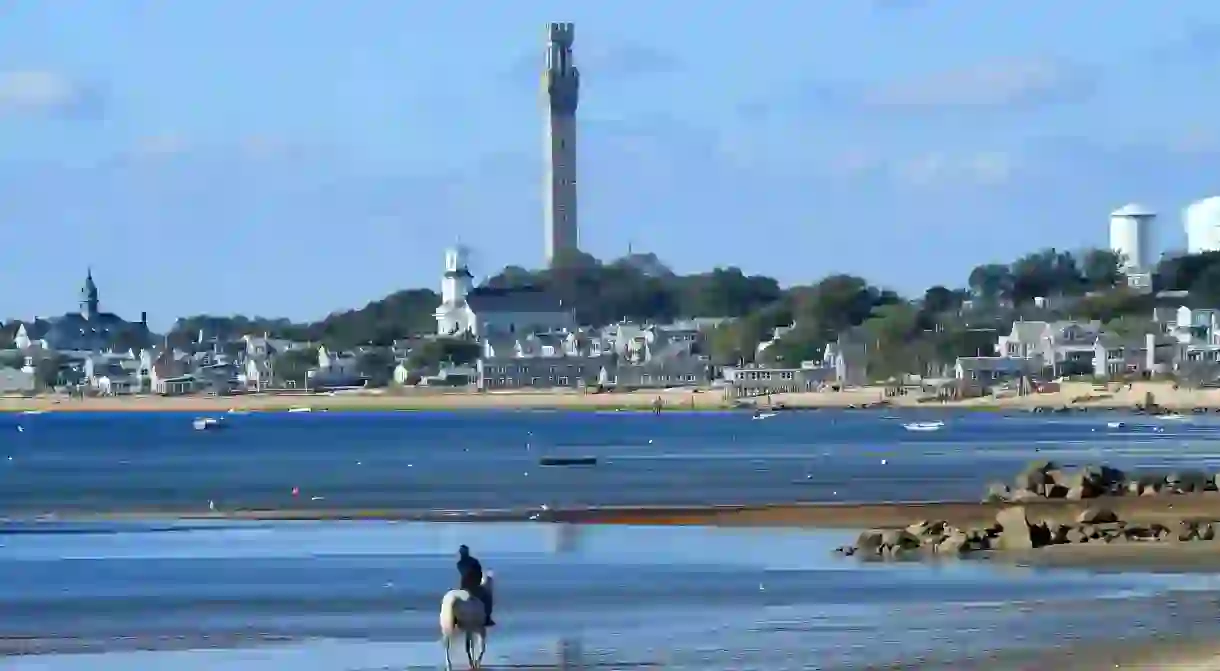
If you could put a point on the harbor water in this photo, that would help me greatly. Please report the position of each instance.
(61, 462)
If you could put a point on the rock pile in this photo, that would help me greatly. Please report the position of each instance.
(1014, 530)
(1046, 480)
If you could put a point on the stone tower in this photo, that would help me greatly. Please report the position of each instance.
(561, 87)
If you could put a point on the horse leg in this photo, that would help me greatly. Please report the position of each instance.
(445, 639)
(470, 650)
(478, 660)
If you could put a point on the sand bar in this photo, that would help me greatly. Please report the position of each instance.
(1144, 509)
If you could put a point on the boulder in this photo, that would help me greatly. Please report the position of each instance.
(1188, 531)
(997, 492)
(1080, 492)
(956, 543)
(1023, 495)
(1035, 475)
(1103, 478)
(1018, 533)
(1095, 515)
(1190, 481)
(900, 538)
(869, 542)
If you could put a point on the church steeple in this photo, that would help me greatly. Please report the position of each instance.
(88, 297)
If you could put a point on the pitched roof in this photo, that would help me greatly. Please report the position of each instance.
(520, 299)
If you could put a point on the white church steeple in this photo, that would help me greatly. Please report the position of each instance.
(452, 317)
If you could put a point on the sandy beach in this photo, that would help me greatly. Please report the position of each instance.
(1073, 394)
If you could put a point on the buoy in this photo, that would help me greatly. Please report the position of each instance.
(885, 461)
(296, 491)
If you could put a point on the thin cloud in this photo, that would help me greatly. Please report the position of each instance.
(997, 86)
(47, 93)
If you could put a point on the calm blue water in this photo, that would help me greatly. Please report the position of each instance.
(64, 462)
(693, 598)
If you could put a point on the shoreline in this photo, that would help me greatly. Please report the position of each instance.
(1072, 396)
(848, 516)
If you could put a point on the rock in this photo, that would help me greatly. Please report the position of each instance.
(997, 492)
(870, 542)
(1077, 535)
(1188, 530)
(1192, 481)
(1023, 495)
(1097, 516)
(1034, 476)
(956, 543)
(900, 538)
(1207, 532)
(1079, 492)
(1060, 534)
(1018, 533)
(1133, 487)
(1056, 491)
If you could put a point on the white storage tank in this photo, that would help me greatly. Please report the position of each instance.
(1202, 222)
(1130, 236)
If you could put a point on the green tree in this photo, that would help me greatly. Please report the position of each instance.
(1100, 268)
(294, 366)
(431, 353)
(991, 281)
(47, 371)
(377, 365)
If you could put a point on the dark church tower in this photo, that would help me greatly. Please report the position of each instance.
(88, 297)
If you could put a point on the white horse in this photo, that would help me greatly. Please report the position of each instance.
(462, 611)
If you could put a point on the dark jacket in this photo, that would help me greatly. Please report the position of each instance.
(471, 572)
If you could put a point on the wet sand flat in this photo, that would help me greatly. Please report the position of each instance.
(1145, 510)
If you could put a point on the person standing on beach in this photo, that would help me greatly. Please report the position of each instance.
(470, 572)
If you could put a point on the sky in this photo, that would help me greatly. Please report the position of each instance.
(295, 157)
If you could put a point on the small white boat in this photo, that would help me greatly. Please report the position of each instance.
(301, 409)
(763, 415)
(32, 412)
(1171, 417)
(235, 411)
(207, 424)
(924, 426)
(1115, 425)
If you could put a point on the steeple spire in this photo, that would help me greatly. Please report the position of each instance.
(88, 296)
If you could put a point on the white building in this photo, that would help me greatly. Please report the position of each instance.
(1202, 222)
(452, 315)
(483, 311)
(1130, 237)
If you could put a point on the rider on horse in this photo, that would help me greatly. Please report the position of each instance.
(471, 572)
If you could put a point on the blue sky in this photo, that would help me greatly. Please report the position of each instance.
(211, 157)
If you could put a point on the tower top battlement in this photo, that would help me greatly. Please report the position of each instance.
(563, 34)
